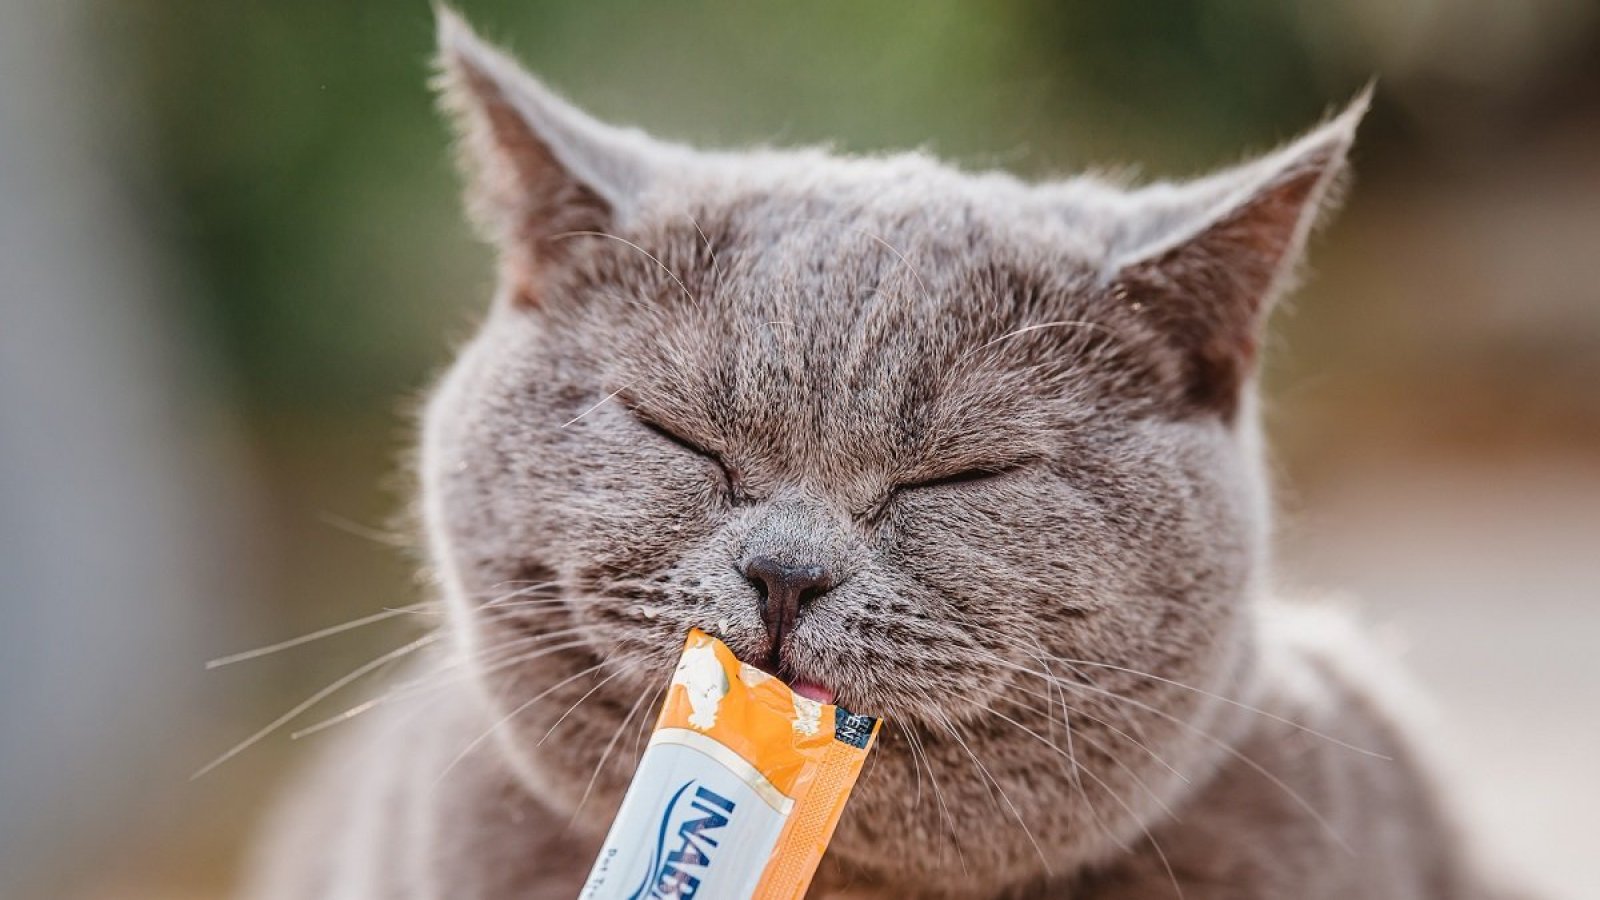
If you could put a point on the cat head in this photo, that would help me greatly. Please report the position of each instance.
(974, 455)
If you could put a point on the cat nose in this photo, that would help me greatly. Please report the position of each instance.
(784, 589)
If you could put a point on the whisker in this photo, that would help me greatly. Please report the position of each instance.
(455, 672)
(1065, 323)
(557, 601)
(1225, 747)
(638, 737)
(603, 401)
(317, 635)
(1231, 701)
(1109, 792)
(367, 532)
(916, 769)
(1228, 700)
(938, 797)
(984, 770)
(520, 588)
(1049, 701)
(314, 699)
(921, 285)
(579, 702)
(345, 716)
(497, 659)
(1117, 760)
(644, 723)
(525, 705)
(647, 254)
(606, 754)
(1259, 769)
(710, 251)
(1132, 773)
(525, 640)
(1074, 772)
(487, 660)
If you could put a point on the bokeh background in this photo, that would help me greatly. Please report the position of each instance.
(232, 257)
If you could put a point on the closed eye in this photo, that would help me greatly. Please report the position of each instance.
(676, 438)
(729, 479)
(962, 478)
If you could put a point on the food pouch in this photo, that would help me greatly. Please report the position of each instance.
(738, 791)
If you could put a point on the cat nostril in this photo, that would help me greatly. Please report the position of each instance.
(783, 590)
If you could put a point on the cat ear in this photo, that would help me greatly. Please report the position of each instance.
(538, 169)
(1204, 261)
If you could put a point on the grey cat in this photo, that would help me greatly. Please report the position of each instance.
(977, 456)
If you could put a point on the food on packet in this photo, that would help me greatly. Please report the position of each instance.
(738, 791)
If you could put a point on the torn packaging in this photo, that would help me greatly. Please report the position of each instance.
(739, 790)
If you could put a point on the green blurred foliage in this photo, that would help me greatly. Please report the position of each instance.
(311, 176)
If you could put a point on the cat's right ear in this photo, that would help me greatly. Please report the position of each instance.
(539, 171)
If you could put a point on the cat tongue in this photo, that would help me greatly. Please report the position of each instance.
(811, 691)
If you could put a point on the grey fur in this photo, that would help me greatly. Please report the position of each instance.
(838, 337)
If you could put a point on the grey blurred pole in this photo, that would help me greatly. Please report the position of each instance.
(110, 493)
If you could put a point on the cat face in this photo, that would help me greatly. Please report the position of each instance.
(971, 455)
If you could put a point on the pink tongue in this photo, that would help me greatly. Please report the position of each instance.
(812, 691)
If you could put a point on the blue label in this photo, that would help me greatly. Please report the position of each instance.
(686, 840)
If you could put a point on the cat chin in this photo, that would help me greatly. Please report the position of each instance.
(914, 852)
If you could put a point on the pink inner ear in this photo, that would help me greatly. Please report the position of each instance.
(1210, 292)
(536, 167)
(519, 190)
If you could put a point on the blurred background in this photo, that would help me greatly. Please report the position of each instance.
(231, 258)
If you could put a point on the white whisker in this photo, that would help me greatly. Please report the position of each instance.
(578, 703)
(1228, 700)
(317, 635)
(1178, 889)
(606, 754)
(716, 267)
(647, 254)
(345, 716)
(603, 401)
(938, 797)
(478, 741)
(1026, 329)
(1017, 814)
(1220, 744)
(314, 699)
(376, 535)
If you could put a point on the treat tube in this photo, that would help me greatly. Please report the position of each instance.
(738, 791)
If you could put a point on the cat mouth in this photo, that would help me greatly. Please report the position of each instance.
(811, 690)
(806, 687)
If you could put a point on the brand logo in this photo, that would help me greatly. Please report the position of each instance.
(851, 728)
(686, 828)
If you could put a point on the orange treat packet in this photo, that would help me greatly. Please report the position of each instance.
(737, 793)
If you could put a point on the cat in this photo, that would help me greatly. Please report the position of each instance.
(977, 456)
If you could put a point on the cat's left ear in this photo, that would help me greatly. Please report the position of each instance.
(1205, 260)
(539, 171)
